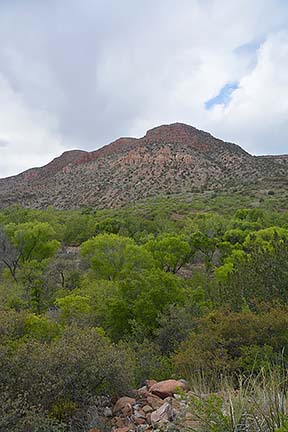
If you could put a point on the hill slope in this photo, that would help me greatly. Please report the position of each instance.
(169, 159)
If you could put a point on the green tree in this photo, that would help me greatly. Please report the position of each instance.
(111, 256)
(74, 308)
(170, 251)
(33, 240)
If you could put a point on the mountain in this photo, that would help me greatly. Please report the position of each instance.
(169, 159)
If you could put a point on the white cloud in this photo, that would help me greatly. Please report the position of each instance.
(258, 112)
(80, 74)
(27, 135)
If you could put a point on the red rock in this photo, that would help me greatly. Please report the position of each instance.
(142, 389)
(154, 401)
(150, 383)
(125, 403)
(148, 418)
(139, 420)
(143, 392)
(147, 409)
(127, 410)
(167, 388)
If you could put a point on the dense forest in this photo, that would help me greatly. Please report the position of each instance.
(94, 302)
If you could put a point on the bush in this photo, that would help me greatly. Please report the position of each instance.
(73, 368)
(16, 415)
(225, 343)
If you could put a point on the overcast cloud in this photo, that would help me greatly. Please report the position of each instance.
(81, 73)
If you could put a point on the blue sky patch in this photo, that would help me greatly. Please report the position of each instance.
(249, 48)
(223, 97)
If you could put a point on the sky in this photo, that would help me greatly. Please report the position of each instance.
(81, 73)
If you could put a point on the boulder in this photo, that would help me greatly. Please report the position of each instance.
(154, 401)
(139, 414)
(127, 410)
(123, 405)
(167, 388)
(163, 414)
(150, 383)
(147, 409)
(141, 390)
(142, 393)
(138, 420)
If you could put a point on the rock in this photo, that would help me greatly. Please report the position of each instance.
(176, 404)
(139, 420)
(107, 412)
(142, 390)
(147, 409)
(154, 409)
(154, 401)
(150, 383)
(140, 414)
(148, 418)
(167, 388)
(124, 403)
(127, 410)
(163, 414)
(120, 422)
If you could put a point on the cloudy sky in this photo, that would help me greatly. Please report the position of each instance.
(81, 73)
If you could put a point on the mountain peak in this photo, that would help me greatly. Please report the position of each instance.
(183, 134)
(174, 131)
(174, 158)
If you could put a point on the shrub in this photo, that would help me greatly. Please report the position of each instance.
(74, 368)
(225, 343)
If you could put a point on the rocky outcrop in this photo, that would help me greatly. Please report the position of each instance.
(150, 409)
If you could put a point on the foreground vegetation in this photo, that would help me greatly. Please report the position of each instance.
(95, 302)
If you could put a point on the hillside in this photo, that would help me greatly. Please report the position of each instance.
(169, 159)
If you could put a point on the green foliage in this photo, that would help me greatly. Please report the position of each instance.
(73, 308)
(258, 276)
(74, 368)
(171, 252)
(174, 325)
(151, 295)
(210, 413)
(111, 255)
(182, 285)
(232, 342)
(258, 404)
(41, 328)
(235, 236)
(33, 240)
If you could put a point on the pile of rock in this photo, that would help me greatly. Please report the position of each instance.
(155, 406)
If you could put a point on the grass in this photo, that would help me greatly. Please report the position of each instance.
(256, 404)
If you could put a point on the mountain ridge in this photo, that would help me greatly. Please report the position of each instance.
(174, 158)
(123, 143)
